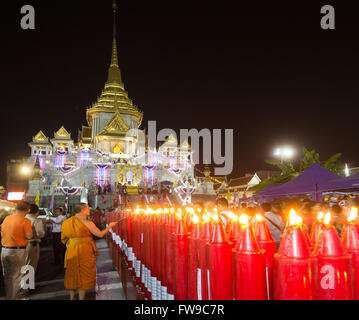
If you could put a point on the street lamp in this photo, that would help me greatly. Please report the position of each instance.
(283, 153)
(25, 170)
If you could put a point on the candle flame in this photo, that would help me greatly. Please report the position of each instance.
(244, 219)
(294, 219)
(195, 219)
(205, 218)
(327, 218)
(353, 214)
(259, 217)
(320, 216)
(179, 215)
(215, 217)
(231, 215)
(172, 210)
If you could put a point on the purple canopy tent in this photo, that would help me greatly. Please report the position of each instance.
(350, 183)
(308, 182)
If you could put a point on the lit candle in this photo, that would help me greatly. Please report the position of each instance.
(295, 269)
(180, 243)
(205, 232)
(336, 279)
(316, 227)
(163, 268)
(267, 243)
(219, 263)
(193, 252)
(249, 273)
(350, 240)
(170, 228)
(153, 256)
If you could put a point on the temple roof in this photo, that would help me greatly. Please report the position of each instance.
(171, 139)
(114, 95)
(40, 136)
(62, 133)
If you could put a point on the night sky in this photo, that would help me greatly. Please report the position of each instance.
(265, 69)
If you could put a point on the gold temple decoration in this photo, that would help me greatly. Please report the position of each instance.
(117, 149)
(207, 173)
(185, 145)
(37, 174)
(115, 126)
(137, 173)
(62, 132)
(40, 137)
(171, 139)
(39, 140)
(114, 88)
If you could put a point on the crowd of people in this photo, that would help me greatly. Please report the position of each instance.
(72, 240)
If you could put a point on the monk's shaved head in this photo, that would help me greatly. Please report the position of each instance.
(79, 207)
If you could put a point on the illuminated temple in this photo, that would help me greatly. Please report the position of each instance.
(111, 150)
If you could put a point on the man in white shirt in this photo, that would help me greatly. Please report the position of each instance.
(224, 213)
(274, 220)
(33, 247)
(58, 247)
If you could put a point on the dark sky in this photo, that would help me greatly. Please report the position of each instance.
(265, 69)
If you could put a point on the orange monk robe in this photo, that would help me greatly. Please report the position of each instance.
(80, 254)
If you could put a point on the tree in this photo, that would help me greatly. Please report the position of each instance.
(288, 172)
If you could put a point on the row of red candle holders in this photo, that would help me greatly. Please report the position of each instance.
(174, 258)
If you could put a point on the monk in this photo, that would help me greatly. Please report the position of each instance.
(81, 250)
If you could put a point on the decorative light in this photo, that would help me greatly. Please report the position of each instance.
(259, 217)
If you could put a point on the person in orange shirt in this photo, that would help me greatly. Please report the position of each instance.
(16, 230)
(80, 262)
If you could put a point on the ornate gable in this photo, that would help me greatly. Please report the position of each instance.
(40, 136)
(171, 139)
(115, 126)
(62, 132)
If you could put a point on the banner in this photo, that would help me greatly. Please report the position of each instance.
(67, 169)
(70, 191)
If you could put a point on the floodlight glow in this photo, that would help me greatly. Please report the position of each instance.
(25, 170)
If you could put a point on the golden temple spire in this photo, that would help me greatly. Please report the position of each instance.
(114, 59)
(114, 73)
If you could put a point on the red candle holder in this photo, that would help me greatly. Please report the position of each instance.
(336, 279)
(249, 267)
(267, 243)
(350, 241)
(295, 269)
(193, 263)
(170, 228)
(205, 232)
(219, 264)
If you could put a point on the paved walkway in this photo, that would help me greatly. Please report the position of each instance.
(50, 280)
